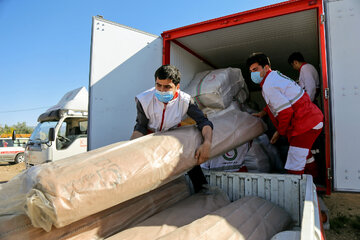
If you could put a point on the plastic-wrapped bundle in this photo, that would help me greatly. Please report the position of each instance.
(230, 161)
(249, 218)
(104, 223)
(178, 215)
(216, 88)
(242, 95)
(262, 156)
(65, 191)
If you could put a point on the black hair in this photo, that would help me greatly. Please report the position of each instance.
(296, 56)
(259, 58)
(168, 72)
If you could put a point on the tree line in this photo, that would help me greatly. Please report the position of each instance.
(20, 128)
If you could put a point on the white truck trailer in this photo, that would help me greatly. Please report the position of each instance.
(123, 61)
(61, 131)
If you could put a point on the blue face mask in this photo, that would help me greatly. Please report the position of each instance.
(255, 77)
(164, 97)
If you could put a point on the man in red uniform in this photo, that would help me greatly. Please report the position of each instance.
(291, 111)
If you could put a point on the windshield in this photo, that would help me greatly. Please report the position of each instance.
(41, 131)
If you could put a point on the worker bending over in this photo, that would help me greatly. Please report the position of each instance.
(291, 111)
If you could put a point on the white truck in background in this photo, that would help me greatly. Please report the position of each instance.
(123, 62)
(61, 131)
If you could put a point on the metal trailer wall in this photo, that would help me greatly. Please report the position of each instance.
(123, 62)
(343, 37)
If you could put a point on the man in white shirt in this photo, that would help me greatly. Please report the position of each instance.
(164, 106)
(309, 77)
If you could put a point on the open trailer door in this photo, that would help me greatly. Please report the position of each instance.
(123, 62)
(277, 30)
(343, 49)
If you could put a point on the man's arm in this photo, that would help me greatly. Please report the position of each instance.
(202, 154)
(136, 134)
(142, 121)
(205, 126)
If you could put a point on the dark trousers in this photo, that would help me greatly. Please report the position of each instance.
(197, 178)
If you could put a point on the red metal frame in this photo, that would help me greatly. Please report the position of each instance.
(325, 101)
(242, 17)
(255, 15)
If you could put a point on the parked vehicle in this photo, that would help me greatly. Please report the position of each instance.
(12, 150)
(122, 54)
(61, 131)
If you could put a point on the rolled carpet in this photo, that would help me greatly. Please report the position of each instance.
(67, 190)
(250, 218)
(104, 223)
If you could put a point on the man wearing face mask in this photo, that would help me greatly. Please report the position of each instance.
(164, 106)
(291, 111)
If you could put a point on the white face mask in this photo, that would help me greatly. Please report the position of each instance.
(256, 78)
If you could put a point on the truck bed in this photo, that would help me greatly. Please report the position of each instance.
(295, 193)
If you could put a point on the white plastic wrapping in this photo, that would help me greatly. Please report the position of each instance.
(262, 156)
(216, 88)
(242, 95)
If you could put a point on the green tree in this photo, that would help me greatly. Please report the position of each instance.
(20, 128)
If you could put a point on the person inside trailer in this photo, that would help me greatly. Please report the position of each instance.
(164, 106)
(308, 78)
(291, 111)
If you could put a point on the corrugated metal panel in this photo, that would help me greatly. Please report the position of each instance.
(278, 37)
(287, 191)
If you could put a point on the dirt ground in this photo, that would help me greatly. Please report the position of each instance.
(344, 216)
(8, 171)
(344, 208)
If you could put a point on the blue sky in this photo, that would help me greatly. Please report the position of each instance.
(45, 44)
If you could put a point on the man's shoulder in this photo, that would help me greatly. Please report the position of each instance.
(276, 80)
(308, 67)
(185, 96)
(146, 95)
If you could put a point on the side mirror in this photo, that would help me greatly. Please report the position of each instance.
(51, 134)
(13, 135)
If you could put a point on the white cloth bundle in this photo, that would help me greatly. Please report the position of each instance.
(216, 88)
(230, 161)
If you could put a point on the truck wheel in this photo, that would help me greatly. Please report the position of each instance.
(19, 158)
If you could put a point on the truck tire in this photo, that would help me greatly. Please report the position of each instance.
(19, 158)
